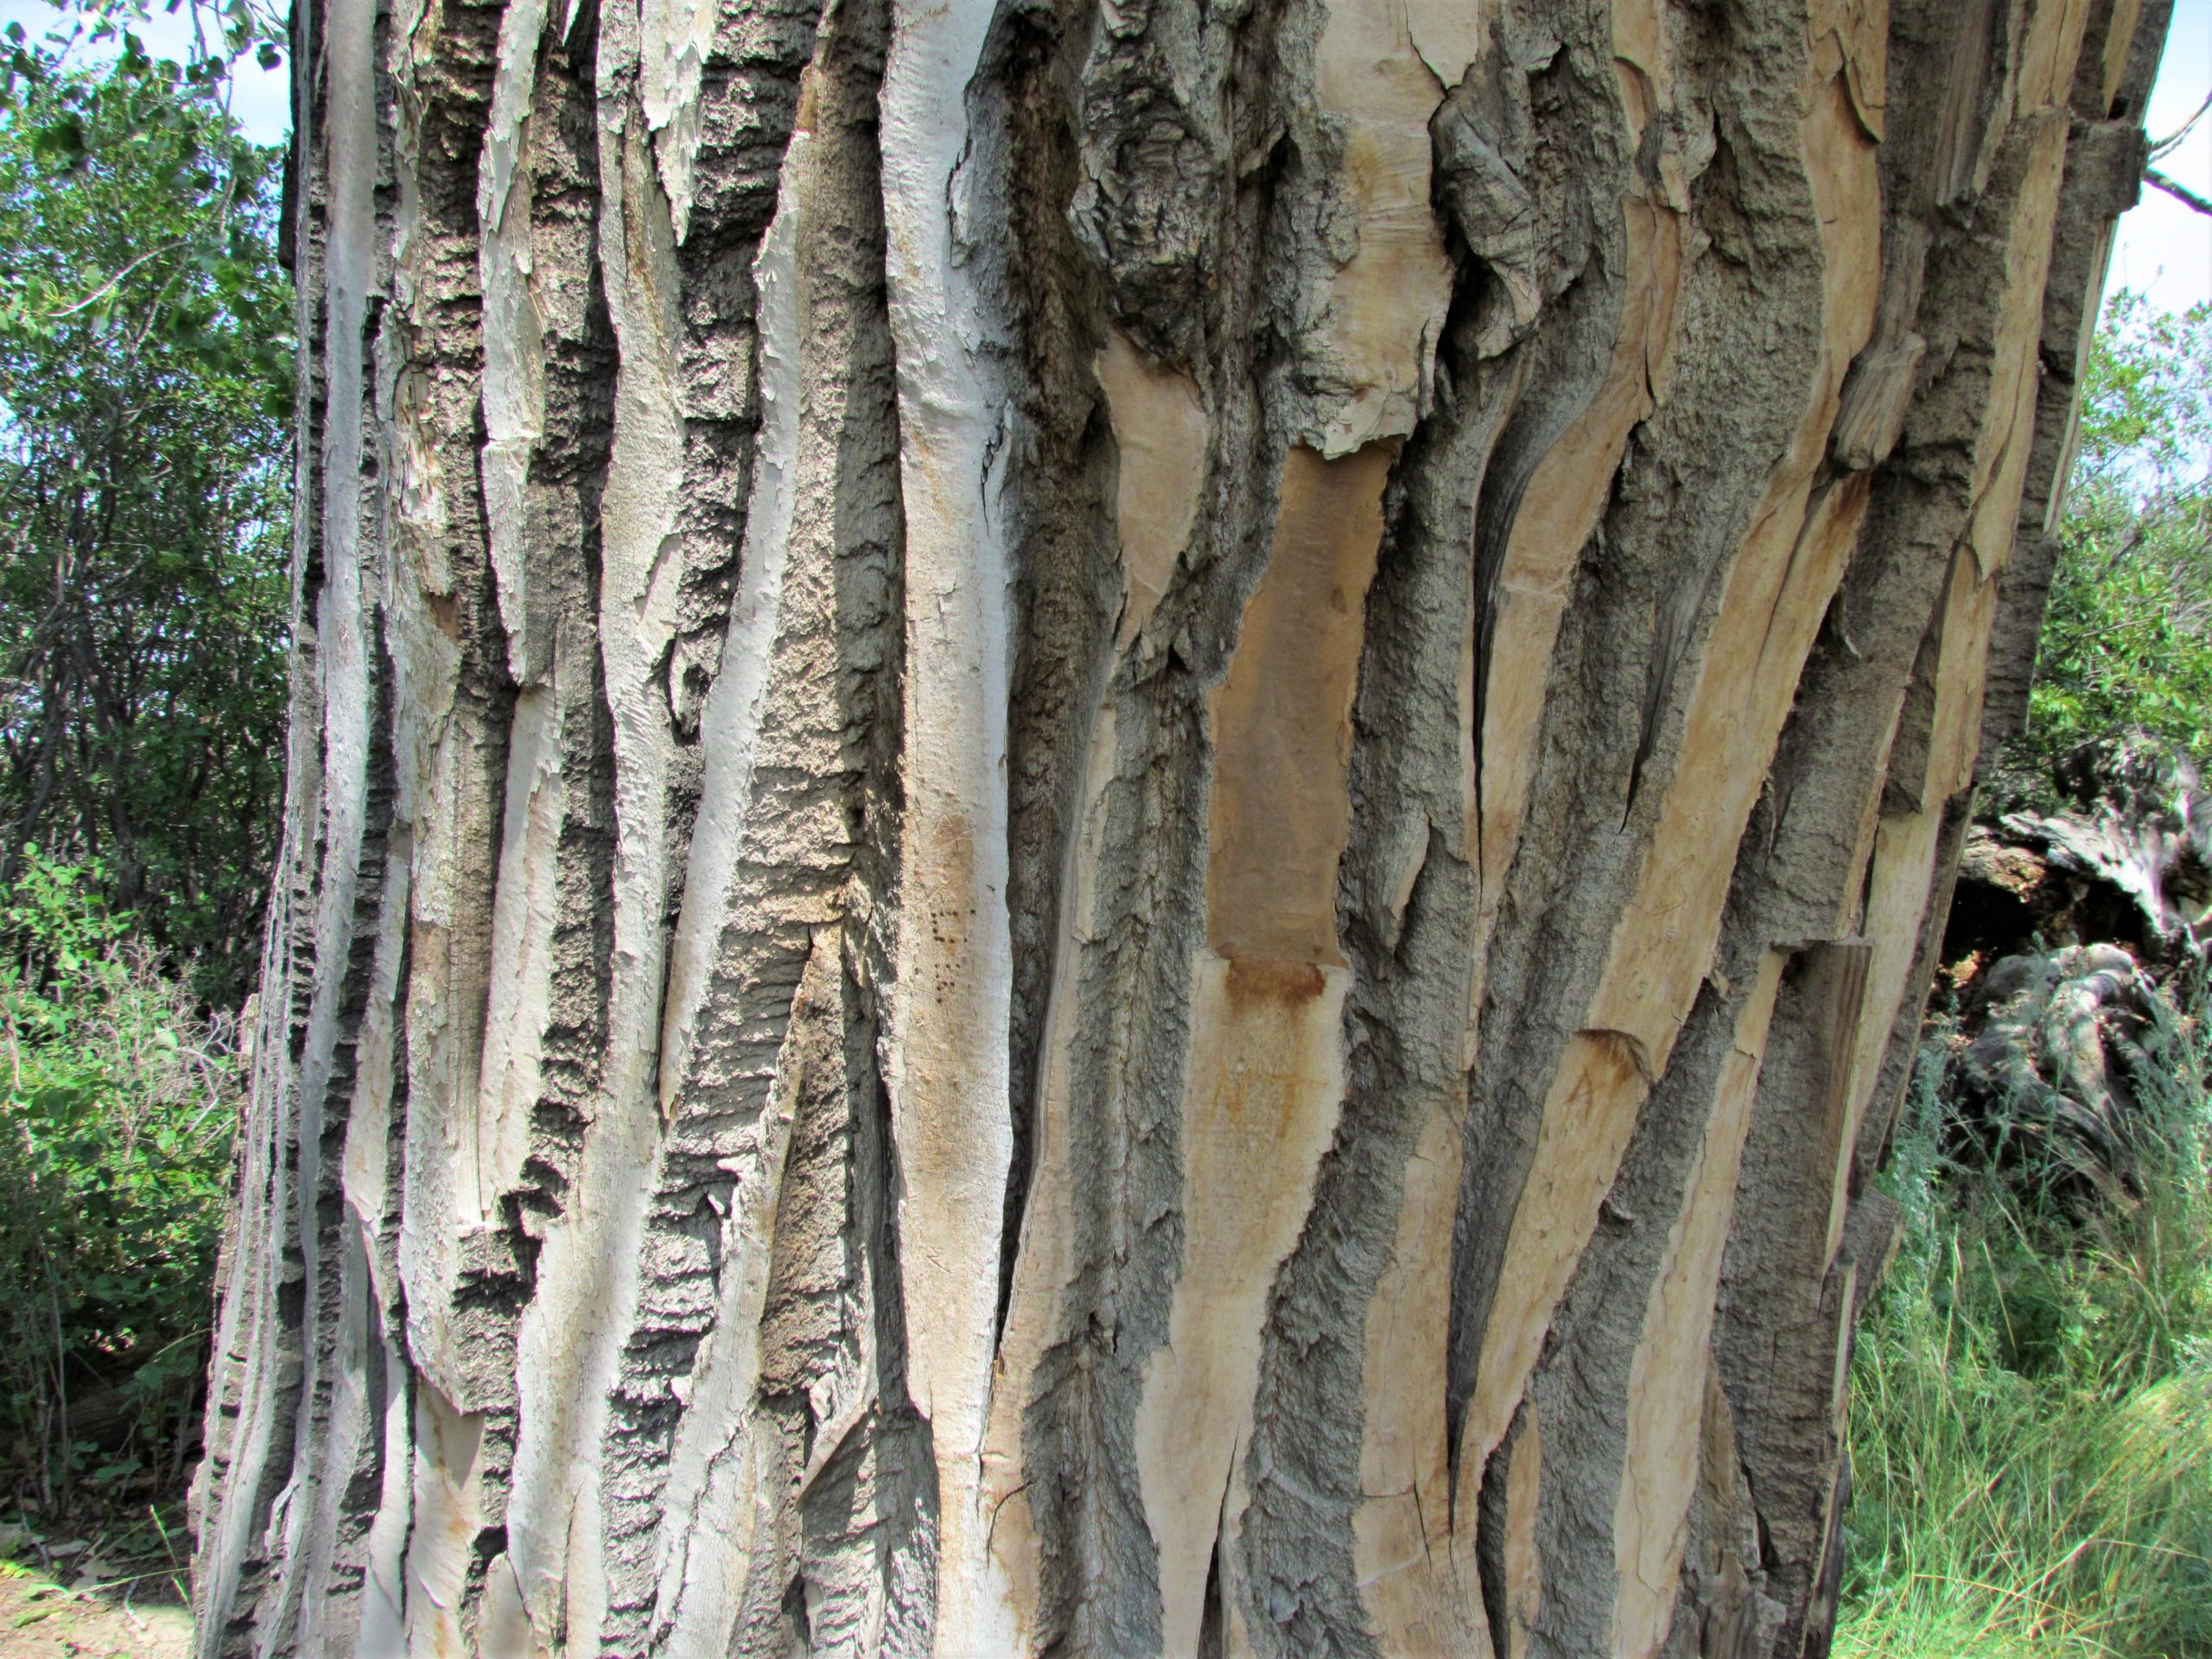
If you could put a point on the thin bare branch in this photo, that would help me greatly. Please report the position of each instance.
(2166, 145)
(2180, 193)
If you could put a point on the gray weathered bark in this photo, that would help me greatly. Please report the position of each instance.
(1113, 828)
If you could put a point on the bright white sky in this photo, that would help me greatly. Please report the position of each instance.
(261, 98)
(2165, 250)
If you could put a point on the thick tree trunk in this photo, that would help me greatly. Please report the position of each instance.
(1113, 830)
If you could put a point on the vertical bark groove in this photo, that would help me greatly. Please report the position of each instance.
(1114, 827)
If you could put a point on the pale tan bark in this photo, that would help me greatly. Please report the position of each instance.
(1114, 829)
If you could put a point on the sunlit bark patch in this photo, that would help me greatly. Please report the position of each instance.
(1265, 1072)
(1114, 831)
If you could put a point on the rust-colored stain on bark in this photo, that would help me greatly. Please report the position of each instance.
(1282, 718)
(1257, 981)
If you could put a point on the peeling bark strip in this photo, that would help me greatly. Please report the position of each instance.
(1114, 829)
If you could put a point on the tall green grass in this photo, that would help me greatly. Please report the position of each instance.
(2031, 1414)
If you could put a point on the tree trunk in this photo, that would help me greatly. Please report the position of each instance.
(1116, 829)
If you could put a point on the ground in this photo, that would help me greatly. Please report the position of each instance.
(41, 1618)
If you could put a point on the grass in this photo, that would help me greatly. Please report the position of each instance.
(2031, 1414)
(45, 1613)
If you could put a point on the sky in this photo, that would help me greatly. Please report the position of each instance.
(2164, 251)
(261, 98)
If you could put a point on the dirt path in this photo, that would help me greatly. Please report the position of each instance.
(41, 1619)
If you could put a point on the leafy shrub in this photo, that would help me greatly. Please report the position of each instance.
(117, 1106)
(2127, 639)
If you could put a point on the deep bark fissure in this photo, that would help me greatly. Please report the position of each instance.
(1115, 827)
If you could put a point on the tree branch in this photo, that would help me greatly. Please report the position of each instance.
(2189, 197)
(2172, 140)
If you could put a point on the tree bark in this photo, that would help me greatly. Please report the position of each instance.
(1114, 829)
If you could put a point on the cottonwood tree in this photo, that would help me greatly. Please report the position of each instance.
(1114, 829)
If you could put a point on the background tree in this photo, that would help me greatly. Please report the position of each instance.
(1117, 830)
(145, 398)
(2127, 639)
(144, 383)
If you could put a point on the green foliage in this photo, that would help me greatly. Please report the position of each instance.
(145, 436)
(116, 1107)
(145, 367)
(2031, 1401)
(2127, 640)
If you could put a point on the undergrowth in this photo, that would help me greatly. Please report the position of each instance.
(116, 1105)
(2031, 1399)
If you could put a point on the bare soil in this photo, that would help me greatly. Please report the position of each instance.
(41, 1618)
